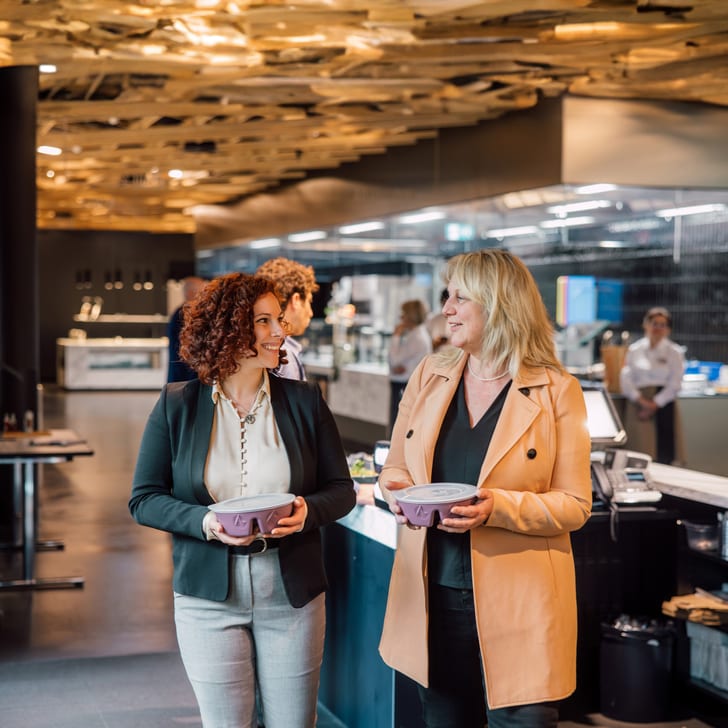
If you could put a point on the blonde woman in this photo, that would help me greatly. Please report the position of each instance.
(482, 607)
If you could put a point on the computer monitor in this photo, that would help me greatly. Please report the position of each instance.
(604, 425)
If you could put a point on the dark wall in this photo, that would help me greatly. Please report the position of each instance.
(693, 286)
(66, 258)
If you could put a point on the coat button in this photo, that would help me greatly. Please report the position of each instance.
(409, 434)
(531, 454)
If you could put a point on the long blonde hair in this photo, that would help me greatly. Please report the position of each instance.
(518, 330)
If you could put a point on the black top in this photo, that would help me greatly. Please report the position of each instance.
(459, 455)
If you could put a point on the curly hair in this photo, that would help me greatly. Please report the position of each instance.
(217, 327)
(290, 277)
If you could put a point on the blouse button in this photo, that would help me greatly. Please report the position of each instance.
(531, 454)
(409, 434)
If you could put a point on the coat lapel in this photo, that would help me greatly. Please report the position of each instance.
(519, 411)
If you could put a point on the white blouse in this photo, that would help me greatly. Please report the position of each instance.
(245, 458)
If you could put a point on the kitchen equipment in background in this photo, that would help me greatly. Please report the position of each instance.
(702, 536)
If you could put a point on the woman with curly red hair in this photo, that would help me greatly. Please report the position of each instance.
(248, 610)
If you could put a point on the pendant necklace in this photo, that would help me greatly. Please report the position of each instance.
(485, 379)
(249, 417)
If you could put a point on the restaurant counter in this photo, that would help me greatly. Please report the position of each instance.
(112, 363)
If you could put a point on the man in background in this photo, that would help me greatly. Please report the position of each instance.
(295, 286)
(177, 370)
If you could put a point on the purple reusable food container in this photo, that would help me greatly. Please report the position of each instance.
(422, 503)
(240, 515)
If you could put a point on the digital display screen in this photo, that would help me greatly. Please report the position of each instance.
(576, 300)
(635, 476)
(602, 421)
(381, 450)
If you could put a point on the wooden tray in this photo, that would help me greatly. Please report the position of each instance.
(18, 435)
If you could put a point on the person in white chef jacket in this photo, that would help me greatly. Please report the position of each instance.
(650, 379)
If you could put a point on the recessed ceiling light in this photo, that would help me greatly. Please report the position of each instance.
(265, 243)
(50, 151)
(512, 231)
(578, 207)
(567, 222)
(305, 237)
(690, 210)
(595, 189)
(422, 217)
(361, 227)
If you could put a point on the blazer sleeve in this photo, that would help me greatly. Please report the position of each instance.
(152, 502)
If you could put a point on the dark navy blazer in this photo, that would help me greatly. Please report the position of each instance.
(169, 493)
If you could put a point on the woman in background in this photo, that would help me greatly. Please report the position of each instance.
(651, 378)
(482, 608)
(247, 608)
(410, 342)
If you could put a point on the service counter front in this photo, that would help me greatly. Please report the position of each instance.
(633, 574)
(358, 397)
(704, 420)
(112, 363)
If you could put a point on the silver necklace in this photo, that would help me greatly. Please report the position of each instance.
(485, 379)
(249, 417)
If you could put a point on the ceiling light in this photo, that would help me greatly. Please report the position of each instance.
(578, 207)
(265, 243)
(613, 244)
(50, 151)
(422, 217)
(305, 237)
(512, 231)
(690, 210)
(361, 227)
(47, 68)
(628, 226)
(567, 222)
(595, 189)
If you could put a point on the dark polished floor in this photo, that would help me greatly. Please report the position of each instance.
(125, 606)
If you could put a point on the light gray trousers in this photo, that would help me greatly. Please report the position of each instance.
(255, 634)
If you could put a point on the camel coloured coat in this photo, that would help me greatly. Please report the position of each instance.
(537, 466)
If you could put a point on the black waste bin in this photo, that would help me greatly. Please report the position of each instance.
(635, 665)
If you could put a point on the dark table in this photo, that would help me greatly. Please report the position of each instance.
(24, 453)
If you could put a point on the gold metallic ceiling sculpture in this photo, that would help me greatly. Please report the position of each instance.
(160, 105)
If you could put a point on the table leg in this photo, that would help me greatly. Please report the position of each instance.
(24, 477)
(28, 521)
